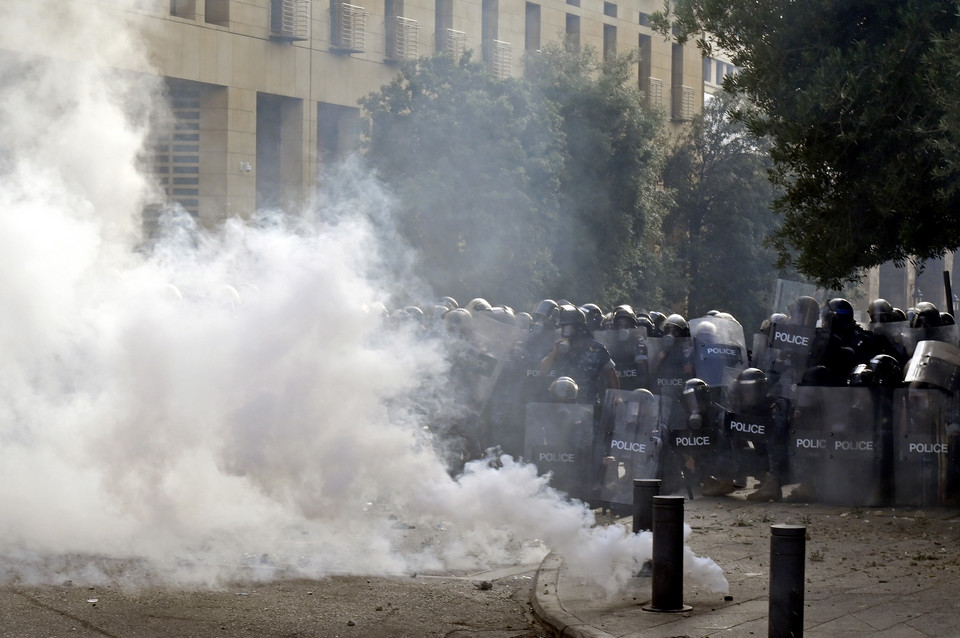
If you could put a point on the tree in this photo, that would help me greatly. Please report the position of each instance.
(474, 162)
(858, 98)
(717, 171)
(610, 187)
(520, 189)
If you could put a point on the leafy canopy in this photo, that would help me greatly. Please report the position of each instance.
(859, 100)
(520, 189)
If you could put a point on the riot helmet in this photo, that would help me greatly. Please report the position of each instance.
(910, 313)
(837, 316)
(594, 315)
(572, 322)
(523, 321)
(408, 316)
(545, 313)
(415, 314)
(503, 315)
(887, 371)
(624, 318)
(478, 304)
(928, 316)
(705, 332)
(458, 322)
(861, 376)
(946, 319)
(675, 326)
(750, 389)
(643, 322)
(880, 311)
(657, 318)
(695, 398)
(377, 309)
(435, 313)
(449, 302)
(777, 318)
(565, 390)
(804, 312)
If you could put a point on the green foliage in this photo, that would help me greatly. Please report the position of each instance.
(722, 217)
(859, 100)
(474, 162)
(520, 189)
(608, 247)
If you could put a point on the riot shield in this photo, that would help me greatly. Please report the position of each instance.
(835, 446)
(905, 339)
(671, 364)
(558, 439)
(748, 428)
(493, 341)
(788, 354)
(936, 364)
(926, 446)
(630, 424)
(628, 349)
(720, 350)
(693, 449)
(750, 440)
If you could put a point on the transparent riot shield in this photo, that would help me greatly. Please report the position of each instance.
(926, 447)
(629, 422)
(693, 445)
(748, 428)
(628, 349)
(905, 339)
(835, 446)
(493, 341)
(761, 354)
(559, 439)
(788, 353)
(720, 350)
(671, 364)
(935, 364)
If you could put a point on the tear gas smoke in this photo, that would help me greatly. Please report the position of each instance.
(222, 406)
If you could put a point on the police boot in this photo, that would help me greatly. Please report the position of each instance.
(716, 487)
(803, 493)
(769, 490)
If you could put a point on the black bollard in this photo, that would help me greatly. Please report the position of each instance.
(787, 556)
(667, 555)
(643, 492)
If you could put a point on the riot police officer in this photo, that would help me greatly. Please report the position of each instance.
(842, 343)
(700, 453)
(576, 354)
(762, 421)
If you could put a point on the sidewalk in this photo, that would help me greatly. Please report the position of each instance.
(891, 572)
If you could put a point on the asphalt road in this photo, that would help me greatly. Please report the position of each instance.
(489, 605)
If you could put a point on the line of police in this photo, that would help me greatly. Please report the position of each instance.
(840, 413)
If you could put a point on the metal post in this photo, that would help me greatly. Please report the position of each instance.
(643, 492)
(787, 555)
(667, 555)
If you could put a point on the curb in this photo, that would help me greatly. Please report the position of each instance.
(546, 603)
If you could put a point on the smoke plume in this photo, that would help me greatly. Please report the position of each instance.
(223, 404)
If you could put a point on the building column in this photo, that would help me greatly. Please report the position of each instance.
(228, 121)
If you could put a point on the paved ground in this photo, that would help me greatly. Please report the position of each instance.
(336, 607)
(893, 573)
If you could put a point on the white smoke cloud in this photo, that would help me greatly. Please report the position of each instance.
(222, 405)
